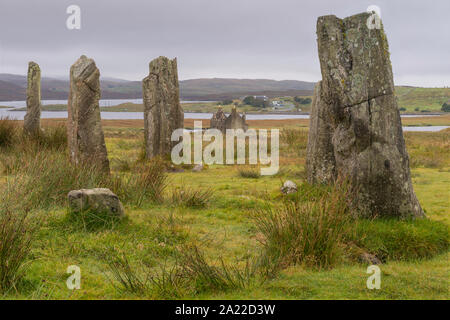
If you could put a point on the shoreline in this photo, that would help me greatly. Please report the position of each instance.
(298, 113)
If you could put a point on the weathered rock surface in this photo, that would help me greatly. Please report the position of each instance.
(234, 121)
(84, 128)
(162, 109)
(218, 120)
(99, 200)
(289, 187)
(355, 128)
(32, 120)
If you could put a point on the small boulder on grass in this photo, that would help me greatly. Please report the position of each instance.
(289, 187)
(98, 200)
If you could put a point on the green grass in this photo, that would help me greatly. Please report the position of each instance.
(146, 249)
(391, 240)
(430, 99)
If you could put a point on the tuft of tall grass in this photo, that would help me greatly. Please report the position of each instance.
(17, 231)
(168, 283)
(206, 277)
(8, 132)
(249, 172)
(165, 283)
(189, 273)
(191, 197)
(124, 276)
(122, 165)
(310, 232)
(44, 180)
(51, 137)
(146, 183)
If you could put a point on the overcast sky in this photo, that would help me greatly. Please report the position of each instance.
(271, 39)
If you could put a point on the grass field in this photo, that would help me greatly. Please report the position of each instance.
(201, 239)
(418, 99)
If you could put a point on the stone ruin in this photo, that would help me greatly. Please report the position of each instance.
(233, 121)
(355, 126)
(32, 120)
(218, 120)
(84, 129)
(162, 109)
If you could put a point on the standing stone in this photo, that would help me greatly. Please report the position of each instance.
(85, 134)
(32, 121)
(355, 126)
(162, 109)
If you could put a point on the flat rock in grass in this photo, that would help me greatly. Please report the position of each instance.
(289, 187)
(99, 200)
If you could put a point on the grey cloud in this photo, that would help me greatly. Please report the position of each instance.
(215, 38)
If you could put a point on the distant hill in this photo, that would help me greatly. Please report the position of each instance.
(13, 87)
(217, 88)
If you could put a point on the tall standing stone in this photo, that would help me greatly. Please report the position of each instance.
(85, 134)
(355, 126)
(32, 120)
(162, 109)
